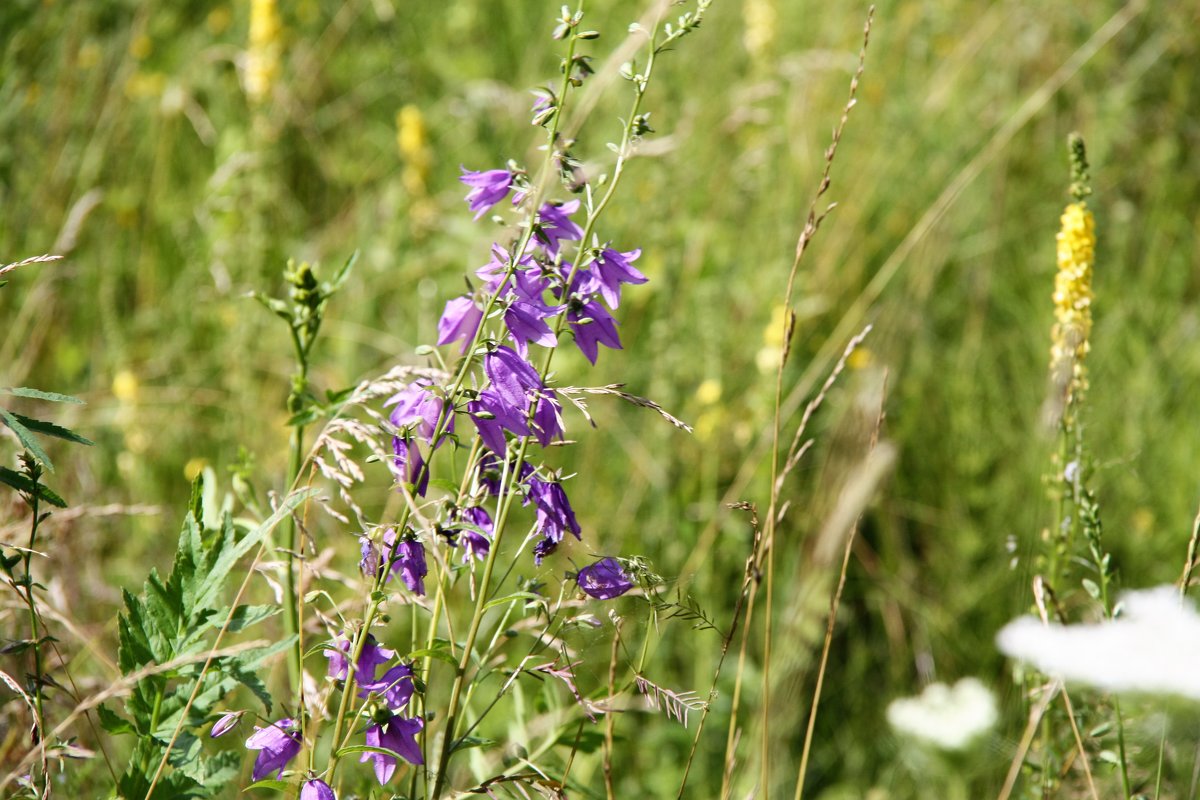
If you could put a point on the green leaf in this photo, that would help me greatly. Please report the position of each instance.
(50, 429)
(468, 742)
(440, 651)
(113, 722)
(366, 748)
(38, 394)
(244, 616)
(22, 484)
(270, 784)
(26, 437)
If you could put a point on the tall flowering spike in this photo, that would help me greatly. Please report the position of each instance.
(412, 142)
(1073, 283)
(487, 188)
(277, 745)
(398, 734)
(262, 56)
(604, 580)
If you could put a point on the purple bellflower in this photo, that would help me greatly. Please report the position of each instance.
(505, 406)
(526, 322)
(612, 268)
(371, 657)
(487, 188)
(526, 273)
(410, 560)
(604, 580)
(592, 325)
(277, 745)
(460, 320)
(556, 225)
(555, 517)
(476, 543)
(398, 734)
(416, 414)
(395, 687)
(317, 790)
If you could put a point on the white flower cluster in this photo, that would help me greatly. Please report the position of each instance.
(1152, 647)
(949, 717)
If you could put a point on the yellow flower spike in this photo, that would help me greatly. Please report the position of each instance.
(262, 56)
(412, 141)
(1076, 247)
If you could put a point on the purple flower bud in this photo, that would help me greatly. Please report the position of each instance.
(316, 790)
(487, 188)
(226, 723)
(604, 580)
(278, 744)
(398, 734)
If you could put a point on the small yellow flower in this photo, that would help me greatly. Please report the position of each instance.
(861, 358)
(194, 467)
(761, 20)
(125, 386)
(708, 392)
(219, 20)
(140, 47)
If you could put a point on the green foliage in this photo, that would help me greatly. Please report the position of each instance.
(167, 638)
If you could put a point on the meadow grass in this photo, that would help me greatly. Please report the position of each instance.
(128, 145)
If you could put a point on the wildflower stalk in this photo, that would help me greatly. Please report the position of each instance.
(33, 471)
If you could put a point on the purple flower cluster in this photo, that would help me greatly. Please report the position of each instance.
(391, 691)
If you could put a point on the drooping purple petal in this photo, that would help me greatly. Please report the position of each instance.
(399, 734)
(277, 744)
(476, 543)
(610, 270)
(410, 561)
(526, 323)
(604, 580)
(555, 517)
(593, 325)
(371, 657)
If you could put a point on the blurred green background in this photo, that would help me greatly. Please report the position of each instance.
(128, 144)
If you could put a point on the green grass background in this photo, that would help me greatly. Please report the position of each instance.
(134, 112)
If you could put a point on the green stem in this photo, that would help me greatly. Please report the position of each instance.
(33, 615)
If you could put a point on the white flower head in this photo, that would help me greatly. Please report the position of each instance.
(949, 717)
(1152, 647)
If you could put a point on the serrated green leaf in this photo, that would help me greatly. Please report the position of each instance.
(244, 616)
(113, 722)
(27, 439)
(38, 394)
(50, 429)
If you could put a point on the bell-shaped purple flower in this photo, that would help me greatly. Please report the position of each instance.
(416, 413)
(609, 271)
(516, 386)
(527, 279)
(409, 559)
(487, 188)
(476, 542)
(555, 225)
(555, 517)
(604, 580)
(593, 325)
(277, 744)
(395, 687)
(460, 320)
(526, 322)
(371, 657)
(316, 790)
(398, 734)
